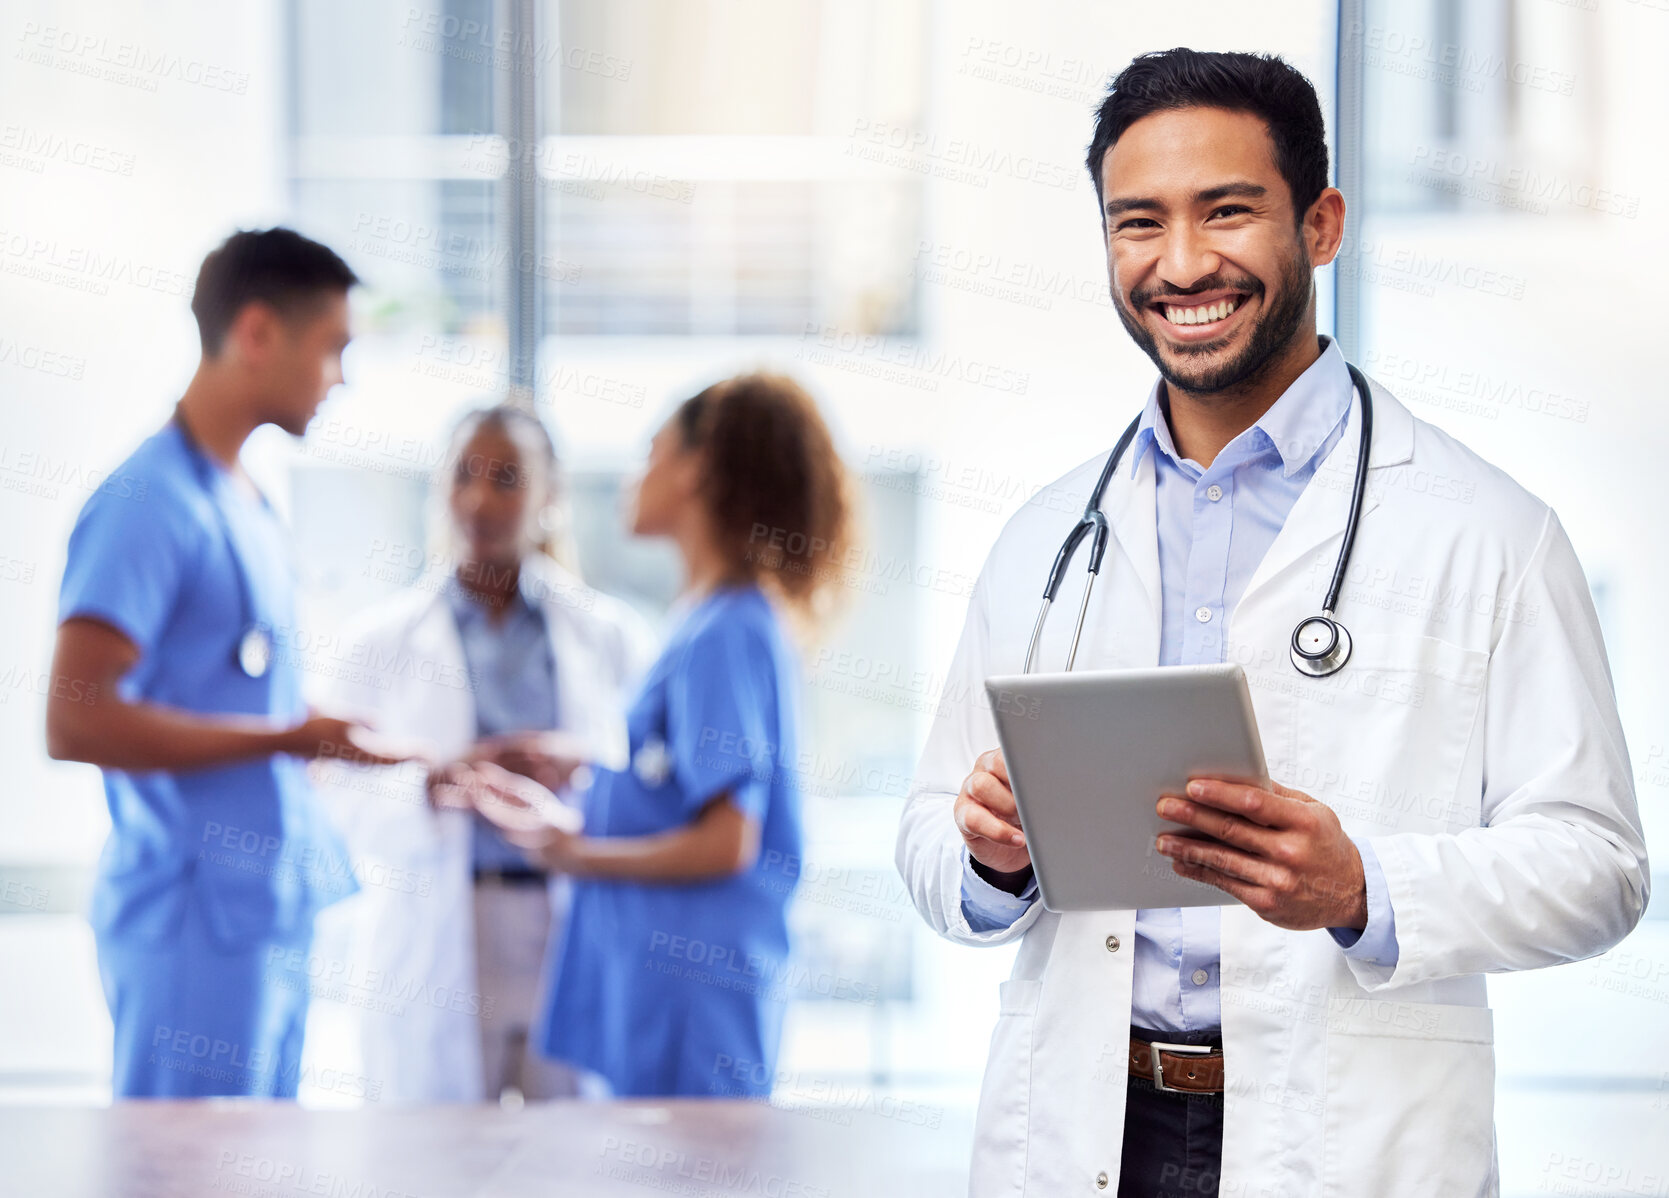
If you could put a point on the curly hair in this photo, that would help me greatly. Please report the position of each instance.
(779, 496)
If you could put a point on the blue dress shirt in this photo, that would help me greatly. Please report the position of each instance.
(512, 674)
(1214, 527)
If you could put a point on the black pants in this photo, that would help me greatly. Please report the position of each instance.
(1173, 1143)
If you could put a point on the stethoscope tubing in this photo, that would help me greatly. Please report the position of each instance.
(1094, 521)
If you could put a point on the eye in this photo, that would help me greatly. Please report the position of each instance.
(1230, 210)
(1137, 222)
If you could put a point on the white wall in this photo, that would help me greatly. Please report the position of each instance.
(178, 152)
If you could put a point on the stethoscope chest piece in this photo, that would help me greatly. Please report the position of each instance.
(255, 651)
(1320, 646)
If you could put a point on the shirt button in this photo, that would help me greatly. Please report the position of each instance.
(1214, 492)
(1112, 944)
(1201, 977)
(1202, 614)
(1100, 1181)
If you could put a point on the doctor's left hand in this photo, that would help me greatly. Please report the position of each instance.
(553, 759)
(1277, 850)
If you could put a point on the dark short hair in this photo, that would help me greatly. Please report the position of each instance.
(1264, 85)
(278, 267)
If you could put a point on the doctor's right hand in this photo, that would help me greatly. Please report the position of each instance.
(988, 819)
(323, 737)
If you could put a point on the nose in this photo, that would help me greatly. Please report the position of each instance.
(471, 494)
(1187, 258)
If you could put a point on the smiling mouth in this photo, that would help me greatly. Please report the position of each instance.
(1214, 312)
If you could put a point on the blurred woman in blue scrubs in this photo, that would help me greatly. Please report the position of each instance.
(672, 977)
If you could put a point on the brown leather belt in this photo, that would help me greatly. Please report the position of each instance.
(1193, 1068)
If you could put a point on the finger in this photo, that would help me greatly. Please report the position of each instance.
(1218, 824)
(532, 839)
(974, 820)
(993, 794)
(448, 795)
(1221, 858)
(1253, 802)
(505, 796)
(992, 762)
(1245, 891)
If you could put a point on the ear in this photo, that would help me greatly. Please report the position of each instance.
(252, 331)
(1323, 230)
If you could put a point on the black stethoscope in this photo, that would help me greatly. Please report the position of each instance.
(253, 654)
(1320, 644)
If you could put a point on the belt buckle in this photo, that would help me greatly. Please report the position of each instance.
(1154, 1047)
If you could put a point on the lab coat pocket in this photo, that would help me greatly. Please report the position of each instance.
(1003, 1121)
(1410, 1099)
(1384, 741)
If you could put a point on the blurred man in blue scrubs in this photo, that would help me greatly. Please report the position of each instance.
(177, 595)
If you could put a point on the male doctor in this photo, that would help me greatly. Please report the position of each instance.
(1456, 800)
(176, 600)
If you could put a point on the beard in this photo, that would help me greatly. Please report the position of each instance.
(1276, 326)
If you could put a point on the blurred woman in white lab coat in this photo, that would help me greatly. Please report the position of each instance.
(501, 654)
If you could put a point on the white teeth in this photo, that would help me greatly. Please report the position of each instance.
(1201, 315)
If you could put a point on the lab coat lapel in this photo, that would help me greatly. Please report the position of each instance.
(1131, 507)
(444, 713)
(1320, 514)
(586, 678)
(568, 650)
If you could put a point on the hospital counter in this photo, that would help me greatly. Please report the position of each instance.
(271, 1150)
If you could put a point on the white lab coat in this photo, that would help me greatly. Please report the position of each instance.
(1472, 737)
(410, 956)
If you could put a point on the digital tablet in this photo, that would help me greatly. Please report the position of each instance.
(1090, 753)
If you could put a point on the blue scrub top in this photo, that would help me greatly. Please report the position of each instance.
(152, 556)
(679, 989)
